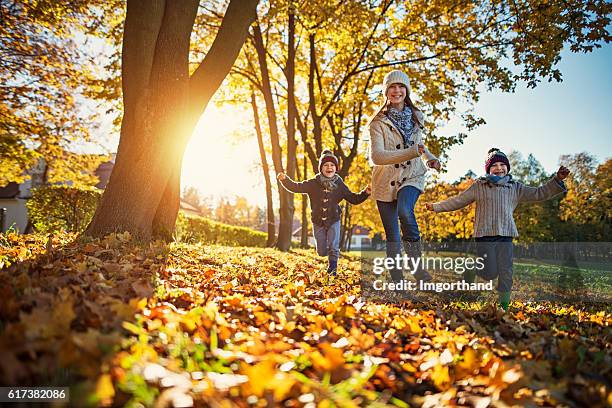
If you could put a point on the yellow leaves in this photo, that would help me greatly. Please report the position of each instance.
(105, 390)
(123, 311)
(330, 360)
(441, 377)
(327, 346)
(45, 323)
(407, 324)
(264, 376)
(469, 364)
(295, 289)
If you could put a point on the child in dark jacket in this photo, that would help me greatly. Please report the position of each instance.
(325, 192)
(496, 196)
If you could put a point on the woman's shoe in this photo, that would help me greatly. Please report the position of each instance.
(413, 251)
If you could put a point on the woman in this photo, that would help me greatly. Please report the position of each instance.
(398, 176)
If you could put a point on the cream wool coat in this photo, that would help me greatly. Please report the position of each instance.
(395, 165)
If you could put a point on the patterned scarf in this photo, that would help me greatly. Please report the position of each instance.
(403, 121)
(329, 183)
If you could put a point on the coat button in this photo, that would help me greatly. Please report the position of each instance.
(404, 179)
(398, 146)
(393, 183)
(397, 166)
(408, 162)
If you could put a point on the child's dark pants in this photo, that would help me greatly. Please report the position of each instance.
(497, 254)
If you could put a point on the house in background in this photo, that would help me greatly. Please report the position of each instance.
(13, 212)
(13, 198)
(360, 238)
(189, 209)
(297, 235)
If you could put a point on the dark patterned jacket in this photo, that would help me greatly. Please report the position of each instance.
(324, 203)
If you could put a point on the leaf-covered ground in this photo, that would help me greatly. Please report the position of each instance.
(182, 325)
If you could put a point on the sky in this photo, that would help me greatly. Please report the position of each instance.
(548, 121)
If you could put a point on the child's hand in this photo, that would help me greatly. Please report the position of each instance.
(434, 164)
(281, 176)
(421, 149)
(368, 189)
(562, 173)
(429, 206)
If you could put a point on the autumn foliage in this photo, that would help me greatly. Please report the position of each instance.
(174, 325)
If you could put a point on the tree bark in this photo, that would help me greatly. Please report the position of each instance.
(203, 84)
(285, 231)
(305, 222)
(162, 105)
(284, 240)
(266, 172)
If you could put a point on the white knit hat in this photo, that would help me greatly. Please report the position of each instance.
(396, 77)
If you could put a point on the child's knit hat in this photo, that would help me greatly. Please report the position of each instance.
(496, 155)
(396, 77)
(327, 156)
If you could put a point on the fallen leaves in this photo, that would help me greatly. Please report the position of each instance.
(184, 325)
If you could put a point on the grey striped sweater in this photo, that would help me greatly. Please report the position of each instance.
(495, 204)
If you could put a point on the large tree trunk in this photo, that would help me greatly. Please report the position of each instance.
(162, 105)
(142, 169)
(266, 172)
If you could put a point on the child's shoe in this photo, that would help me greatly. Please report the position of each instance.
(332, 268)
(504, 300)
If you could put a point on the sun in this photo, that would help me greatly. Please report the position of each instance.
(222, 156)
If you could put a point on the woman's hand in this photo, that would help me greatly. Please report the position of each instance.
(434, 164)
(429, 206)
(562, 173)
(368, 189)
(281, 176)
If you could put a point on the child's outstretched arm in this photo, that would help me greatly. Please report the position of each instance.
(292, 186)
(454, 203)
(547, 190)
(356, 198)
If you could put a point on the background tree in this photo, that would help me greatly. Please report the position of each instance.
(44, 76)
(534, 221)
(454, 225)
(586, 204)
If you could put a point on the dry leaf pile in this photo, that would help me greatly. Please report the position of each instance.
(181, 325)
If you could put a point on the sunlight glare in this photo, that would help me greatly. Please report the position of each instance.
(222, 157)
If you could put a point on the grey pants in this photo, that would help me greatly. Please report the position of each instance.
(497, 254)
(327, 240)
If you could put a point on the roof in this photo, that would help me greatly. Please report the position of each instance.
(11, 190)
(188, 207)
